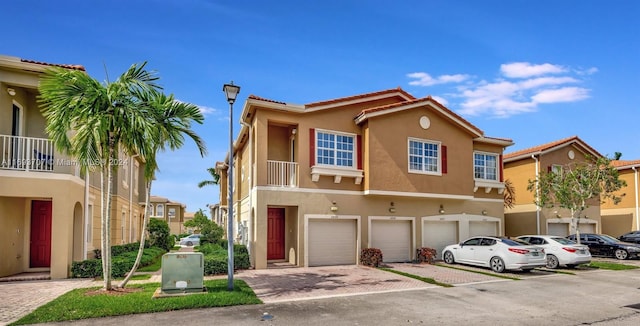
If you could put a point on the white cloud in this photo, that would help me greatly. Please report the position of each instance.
(525, 69)
(440, 100)
(207, 110)
(565, 94)
(424, 79)
(523, 88)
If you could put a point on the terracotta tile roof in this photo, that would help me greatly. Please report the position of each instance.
(254, 97)
(419, 100)
(620, 163)
(66, 66)
(361, 96)
(547, 146)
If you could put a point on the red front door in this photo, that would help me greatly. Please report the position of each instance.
(275, 233)
(40, 234)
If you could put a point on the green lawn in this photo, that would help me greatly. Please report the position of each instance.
(611, 266)
(77, 304)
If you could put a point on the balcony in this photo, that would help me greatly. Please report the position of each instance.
(282, 174)
(26, 153)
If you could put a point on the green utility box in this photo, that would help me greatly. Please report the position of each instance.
(182, 272)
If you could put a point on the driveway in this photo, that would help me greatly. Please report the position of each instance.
(291, 284)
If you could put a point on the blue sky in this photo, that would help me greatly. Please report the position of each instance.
(531, 71)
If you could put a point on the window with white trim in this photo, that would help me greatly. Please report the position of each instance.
(424, 156)
(335, 149)
(160, 210)
(485, 166)
(556, 168)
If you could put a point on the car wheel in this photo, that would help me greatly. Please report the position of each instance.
(448, 257)
(622, 254)
(497, 264)
(189, 243)
(552, 262)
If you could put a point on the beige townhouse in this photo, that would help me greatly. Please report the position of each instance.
(169, 211)
(524, 165)
(623, 217)
(315, 183)
(49, 212)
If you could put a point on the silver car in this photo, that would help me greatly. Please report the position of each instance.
(192, 240)
(498, 253)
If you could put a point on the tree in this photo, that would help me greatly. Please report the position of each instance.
(509, 194)
(214, 175)
(576, 185)
(211, 232)
(159, 234)
(91, 122)
(172, 121)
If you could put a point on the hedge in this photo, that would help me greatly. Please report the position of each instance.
(120, 265)
(119, 249)
(216, 258)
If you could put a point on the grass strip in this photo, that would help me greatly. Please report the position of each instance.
(153, 267)
(610, 266)
(80, 304)
(479, 272)
(419, 278)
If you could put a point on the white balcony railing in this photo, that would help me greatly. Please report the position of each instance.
(282, 174)
(26, 153)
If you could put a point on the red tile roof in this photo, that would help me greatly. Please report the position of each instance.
(424, 99)
(66, 66)
(619, 163)
(361, 96)
(547, 146)
(254, 97)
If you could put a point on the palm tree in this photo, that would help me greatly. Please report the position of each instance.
(172, 120)
(103, 119)
(214, 175)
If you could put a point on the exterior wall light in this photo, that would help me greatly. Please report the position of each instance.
(392, 208)
(441, 210)
(334, 207)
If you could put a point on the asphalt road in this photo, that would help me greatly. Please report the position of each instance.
(589, 298)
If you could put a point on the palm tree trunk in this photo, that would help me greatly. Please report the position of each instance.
(143, 232)
(106, 253)
(103, 227)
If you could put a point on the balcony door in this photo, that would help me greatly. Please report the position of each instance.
(16, 130)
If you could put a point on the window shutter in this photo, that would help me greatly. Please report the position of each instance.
(359, 153)
(312, 147)
(549, 168)
(444, 159)
(501, 168)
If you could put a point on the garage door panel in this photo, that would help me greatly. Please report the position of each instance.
(393, 238)
(483, 228)
(332, 242)
(559, 229)
(587, 228)
(439, 234)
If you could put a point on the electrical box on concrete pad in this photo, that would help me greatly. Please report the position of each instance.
(182, 272)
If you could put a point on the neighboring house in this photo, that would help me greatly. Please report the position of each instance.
(188, 216)
(623, 217)
(169, 211)
(524, 165)
(316, 183)
(49, 212)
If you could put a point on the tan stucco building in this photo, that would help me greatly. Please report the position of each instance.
(171, 212)
(49, 212)
(315, 183)
(624, 217)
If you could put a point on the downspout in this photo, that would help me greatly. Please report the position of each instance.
(537, 195)
(635, 182)
(131, 166)
(86, 214)
(250, 228)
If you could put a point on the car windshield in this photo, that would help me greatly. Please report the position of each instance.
(563, 241)
(514, 242)
(609, 239)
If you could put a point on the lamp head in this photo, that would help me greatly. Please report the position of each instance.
(231, 91)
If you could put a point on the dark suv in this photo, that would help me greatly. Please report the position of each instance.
(608, 246)
(633, 236)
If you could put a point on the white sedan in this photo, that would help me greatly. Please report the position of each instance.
(498, 253)
(559, 250)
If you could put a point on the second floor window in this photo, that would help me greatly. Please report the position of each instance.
(335, 149)
(160, 210)
(485, 166)
(424, 156)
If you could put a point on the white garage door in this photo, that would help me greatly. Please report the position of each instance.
(482, 228)
(439, 234)
(393, 238)
(559, 229)
(332, 242)
(587, 228)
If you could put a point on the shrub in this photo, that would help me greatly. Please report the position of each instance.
(371, 257)
(119, 249)
(426, 255)
(159, 234)
(215, 258)
(120, 265)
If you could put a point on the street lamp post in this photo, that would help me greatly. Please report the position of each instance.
(231, 91)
